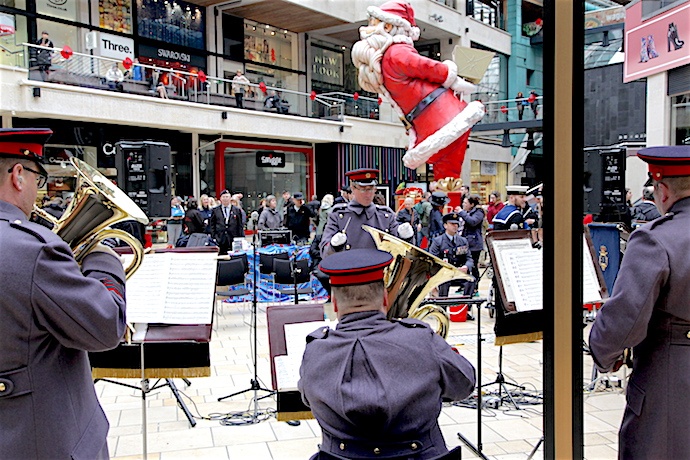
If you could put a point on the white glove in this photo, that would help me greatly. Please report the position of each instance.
(460, 85)
(405, 231)
(338, 239)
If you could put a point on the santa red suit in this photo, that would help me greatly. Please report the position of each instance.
(423, 91)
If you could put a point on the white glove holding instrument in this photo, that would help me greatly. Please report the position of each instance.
(338, 239)
(405, 231)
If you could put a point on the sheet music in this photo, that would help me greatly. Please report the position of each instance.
(526, 270)
(501, 247)
(173, 288)
(287, 366)
(591, 290)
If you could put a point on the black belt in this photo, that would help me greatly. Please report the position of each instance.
(423, 104)
(367, 449)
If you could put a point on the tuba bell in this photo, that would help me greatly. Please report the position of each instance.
(97, 204)
(413, 274)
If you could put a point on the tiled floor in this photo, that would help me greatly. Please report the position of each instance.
(507, 433)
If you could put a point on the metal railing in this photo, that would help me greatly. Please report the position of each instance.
(509, 110)
(91, 71)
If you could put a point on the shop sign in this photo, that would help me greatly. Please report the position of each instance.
(65, 9)
(605, 17)
(327, 66)
(6, 25)
(116, 47)
(270, 159)
(169, 54)
(656, 45)
(488, 168)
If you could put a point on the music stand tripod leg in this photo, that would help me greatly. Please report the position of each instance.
(180, 402)
(254, 383)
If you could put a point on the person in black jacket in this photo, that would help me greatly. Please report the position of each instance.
(646, 209)
(226, 223)
(297, 219)
(193, 219)
(438, 200)
(473, 215)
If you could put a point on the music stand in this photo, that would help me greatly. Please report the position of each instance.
(254, 382)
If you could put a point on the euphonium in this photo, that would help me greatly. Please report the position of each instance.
(412, 275)
(97, 204)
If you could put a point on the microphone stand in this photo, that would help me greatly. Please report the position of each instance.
(254, 383)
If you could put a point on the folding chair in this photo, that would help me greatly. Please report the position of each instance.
(231, 273)
(293, 273)
(266, 262)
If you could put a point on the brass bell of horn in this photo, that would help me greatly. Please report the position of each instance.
(97, 204)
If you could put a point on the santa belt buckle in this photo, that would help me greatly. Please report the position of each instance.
(407, 124)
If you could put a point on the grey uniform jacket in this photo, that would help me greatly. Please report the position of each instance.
(52, 314)
(379, 383)
(650, 311)
(377, 216)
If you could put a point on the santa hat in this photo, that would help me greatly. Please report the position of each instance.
(398, 13)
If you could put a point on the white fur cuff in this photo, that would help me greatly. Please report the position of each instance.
(452, 73)
(445, 136)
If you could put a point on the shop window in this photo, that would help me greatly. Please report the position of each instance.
(176, 23)
(487, 176)
(70, 10)
(265, 44)
(60, 34)
(653, 7)
(273, 78)
(680, 119)
(13, 30)
(115, 15)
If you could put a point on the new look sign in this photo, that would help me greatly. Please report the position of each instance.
(270, 159)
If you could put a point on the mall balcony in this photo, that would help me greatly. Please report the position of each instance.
(76, 87)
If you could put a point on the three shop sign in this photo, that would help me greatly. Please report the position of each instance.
(270, 159)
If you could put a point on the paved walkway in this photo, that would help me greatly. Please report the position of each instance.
(507, 432)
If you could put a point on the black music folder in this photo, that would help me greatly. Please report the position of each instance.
(284, 368)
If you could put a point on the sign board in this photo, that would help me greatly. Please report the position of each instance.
(270, 159)
(65, 9)
(115, 46)
(327, 66)
(657, 44)
(488, 168)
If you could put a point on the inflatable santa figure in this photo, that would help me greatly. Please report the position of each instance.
(425, 93)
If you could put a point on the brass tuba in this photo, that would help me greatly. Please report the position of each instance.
(412, 275)
(97, 204)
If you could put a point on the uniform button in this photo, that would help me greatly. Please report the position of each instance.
(347, 247)
(414, 446)
(342, 446)
(2, 387)
(688, 334)
(377, 451)
(18, 222)
(340, 216)
(386, 214)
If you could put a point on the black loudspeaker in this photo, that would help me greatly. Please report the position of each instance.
(604, 183)
(145, 174)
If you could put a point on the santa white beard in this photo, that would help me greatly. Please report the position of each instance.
(367, 54)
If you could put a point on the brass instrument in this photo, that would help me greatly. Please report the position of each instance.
(413, 274)
(97, 204)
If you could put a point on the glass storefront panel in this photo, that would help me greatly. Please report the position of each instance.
(176, 23)
(680, 120)
(274, 78)
(265, 44)
(13, 32)
(242, 175)
(60, 34)
(115, 15)
(487, 176)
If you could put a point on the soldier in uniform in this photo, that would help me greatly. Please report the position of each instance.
(454, 249)
(517, 214)
(649, 310)
(53, 312)
(344, 228)
(375, 386)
